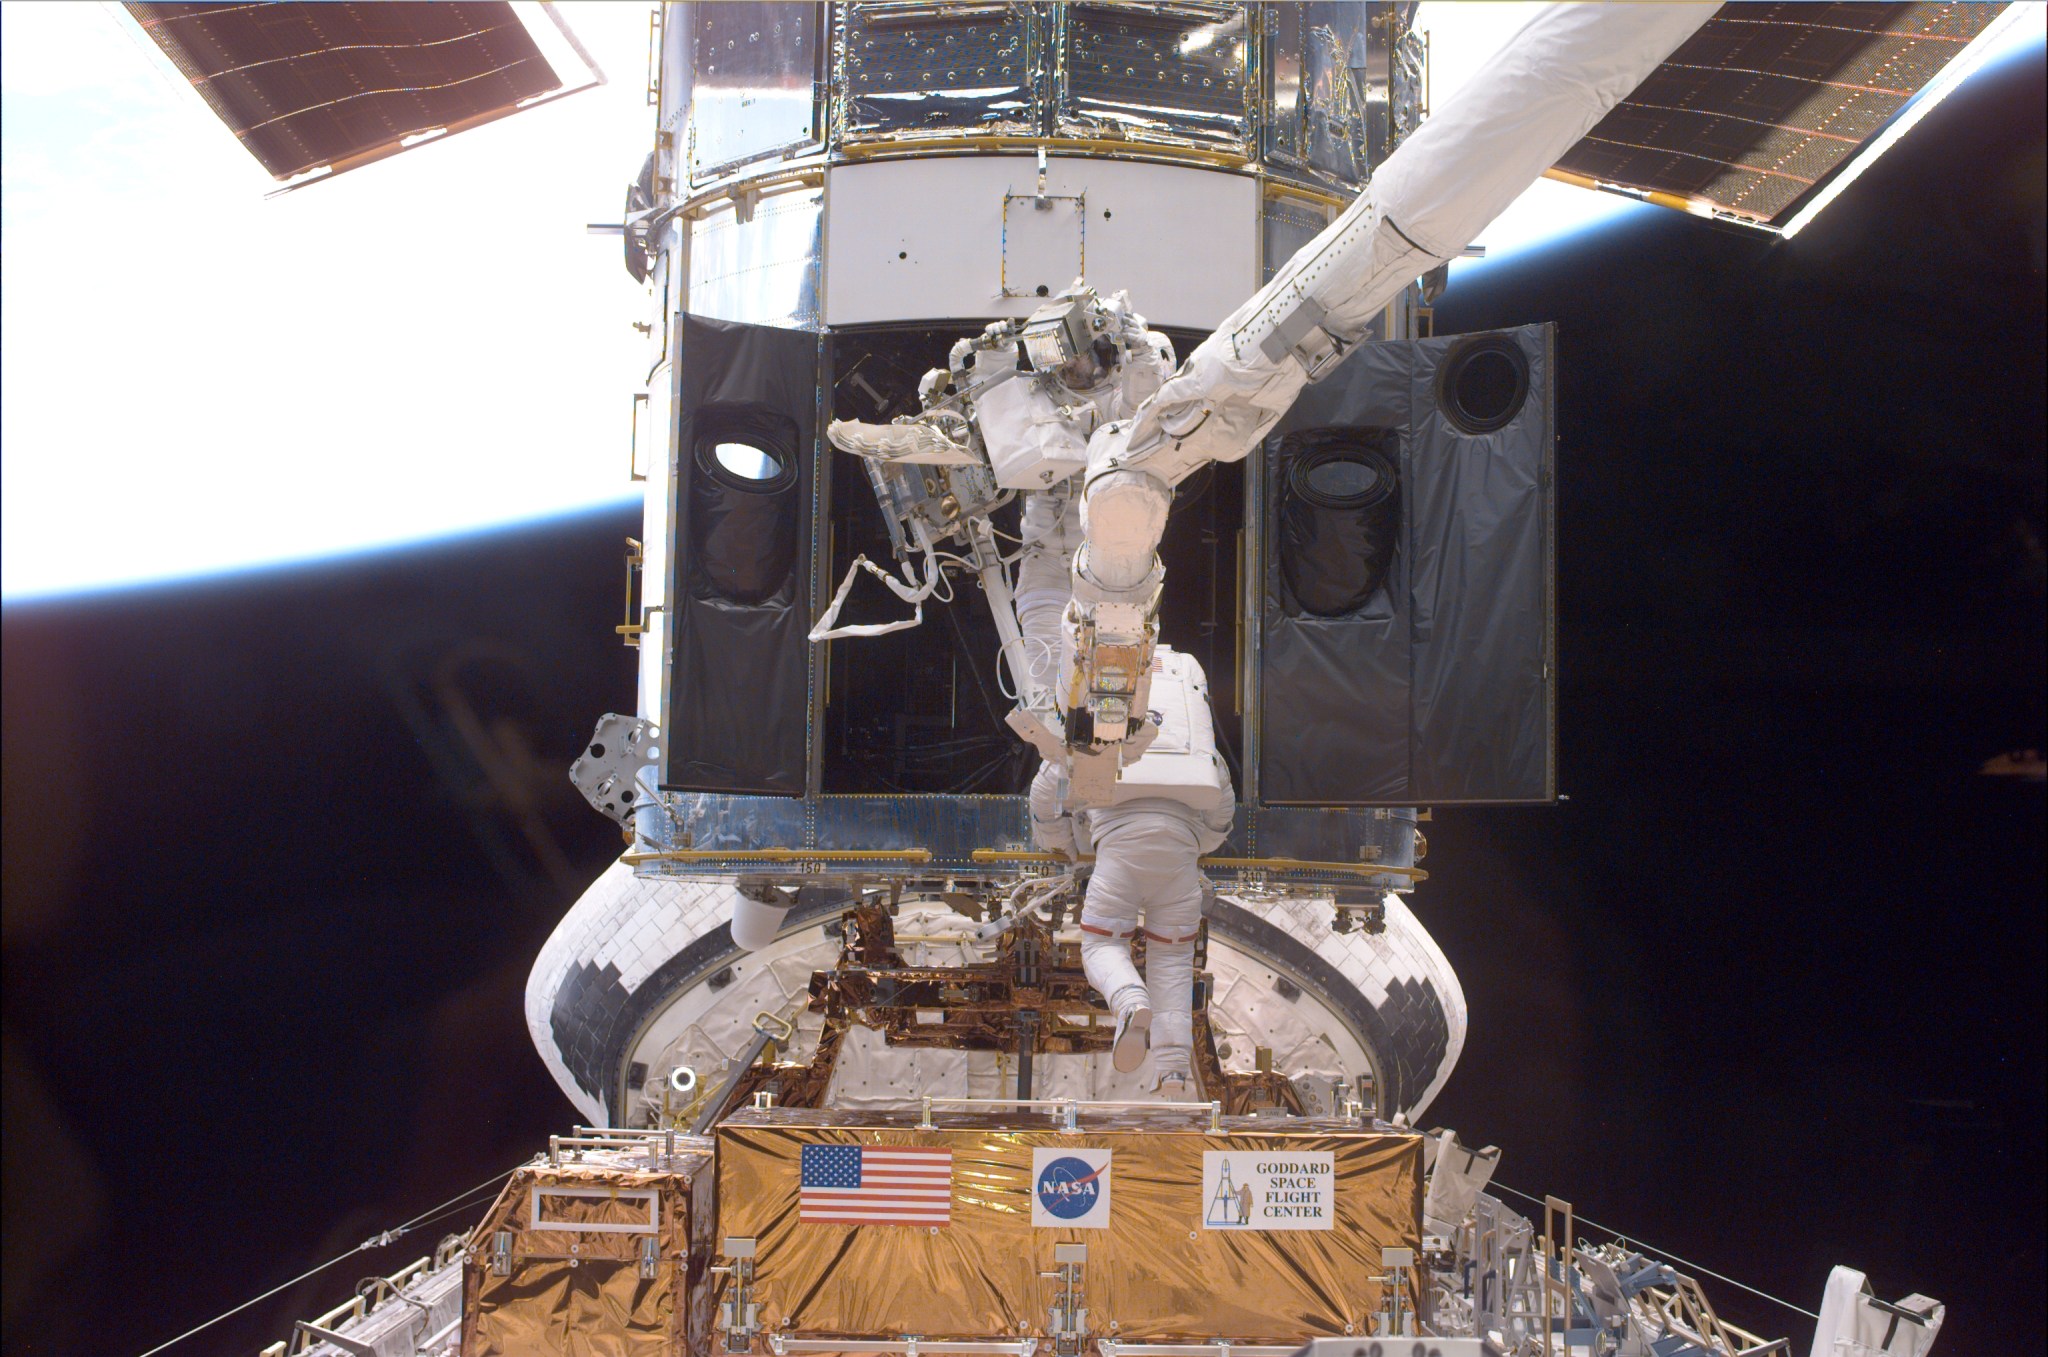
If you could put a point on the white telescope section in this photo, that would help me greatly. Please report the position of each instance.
(970, 236)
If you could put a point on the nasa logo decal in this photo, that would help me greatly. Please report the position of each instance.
(1067, 1187)
(1070, 1188)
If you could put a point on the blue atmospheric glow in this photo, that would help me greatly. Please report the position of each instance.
(367, 553)
(1549, 215)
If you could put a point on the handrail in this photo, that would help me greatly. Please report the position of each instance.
(1240, 864)
(924, 855)
(1067, 1110)
(779, 855)
(779, 1344)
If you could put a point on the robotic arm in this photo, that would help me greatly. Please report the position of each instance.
(1095, 403)
(1527, 106)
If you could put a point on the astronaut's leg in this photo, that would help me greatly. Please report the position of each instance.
(1146, 858)
(1051, 529)
(1109, 919)
(1172, 919)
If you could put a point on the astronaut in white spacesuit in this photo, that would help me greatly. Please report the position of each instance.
(1145, 877)
(1038, 430)
(1145, 847)
(1038, 393)
(1145, 880)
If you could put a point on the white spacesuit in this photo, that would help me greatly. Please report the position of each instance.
(1145, 880)
(1036, 431)
(1145, 845)
(1038, 393)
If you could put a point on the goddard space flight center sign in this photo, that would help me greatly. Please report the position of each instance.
(1269, 1190)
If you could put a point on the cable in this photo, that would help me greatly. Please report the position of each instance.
(1045, 656)
(961, 561)
(1662, 1254)
(966, 652)
(991, 768)
(908, 589)
(377, 1241)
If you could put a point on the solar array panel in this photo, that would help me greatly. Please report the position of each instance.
(310, 85)
(1754, 112)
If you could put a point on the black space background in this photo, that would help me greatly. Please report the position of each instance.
(1766, 991)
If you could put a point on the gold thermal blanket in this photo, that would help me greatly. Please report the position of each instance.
(576, 1281)
(1268, 1233)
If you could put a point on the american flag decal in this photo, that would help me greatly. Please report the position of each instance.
(876, 1185)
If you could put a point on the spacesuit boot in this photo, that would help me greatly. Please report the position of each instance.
(1106, 957)
(1145, 867)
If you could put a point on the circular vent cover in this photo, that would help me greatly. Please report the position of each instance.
(1483, 384)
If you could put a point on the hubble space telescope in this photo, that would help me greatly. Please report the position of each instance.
(799, 770)
(1055, 385)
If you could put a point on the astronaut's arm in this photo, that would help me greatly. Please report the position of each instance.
(1052, 825)
(1522, 110)
(1219, 818)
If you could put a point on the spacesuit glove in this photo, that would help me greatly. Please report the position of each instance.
(1056, 836)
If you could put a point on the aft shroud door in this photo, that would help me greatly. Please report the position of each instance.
(745, 462)
(1406, 640)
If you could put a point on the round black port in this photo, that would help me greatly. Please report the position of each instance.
(1483, 384)
(1043, 289)
(1339, 518)
(1344, 478)
(747, 467)
(743, 515)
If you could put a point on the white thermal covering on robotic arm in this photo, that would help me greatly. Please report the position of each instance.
(1529, 104)
(1455, 1180)
(1519, 113)
(1854, 1323)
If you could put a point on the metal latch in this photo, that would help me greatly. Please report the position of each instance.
(650, 1258)
(1393, 1318)
(1069, 1326)
(1300, 332)
(501, 1254)
(739, 1317)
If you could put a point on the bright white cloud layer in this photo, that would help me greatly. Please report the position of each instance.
(198, 379)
